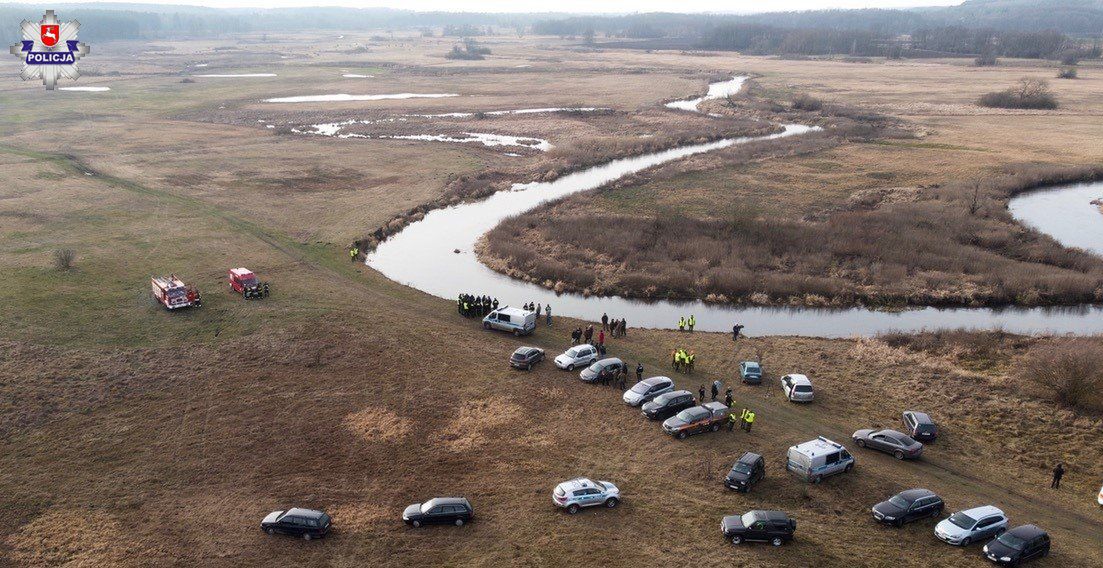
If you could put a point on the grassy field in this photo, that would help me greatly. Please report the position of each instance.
(130, 436)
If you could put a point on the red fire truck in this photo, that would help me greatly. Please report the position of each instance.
(244, 282)
(173, 293)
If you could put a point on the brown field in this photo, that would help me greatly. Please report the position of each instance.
(130, 436)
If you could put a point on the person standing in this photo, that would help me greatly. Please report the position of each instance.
(731, 420)
(576, 335)
(547, 310)
(682, 323)
(715, 390)
(701, 391)
(750, 421)
(353, 253)
(604, 321)
(623, 327)
(736, 329)
(589, 335)
(728, 398)
(743, 419)
(624, 378)
(639, 372)
(1058, 473)
(691, 322)
(601, 337)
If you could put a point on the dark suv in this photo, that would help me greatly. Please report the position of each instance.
(668, 404)
(1018, 545)
(908, 506)
(747, 471)
(526, 357)
(920, 426)
(306, 523)
(774, 527)
(439, 511)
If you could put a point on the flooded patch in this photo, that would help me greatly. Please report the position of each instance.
(346, 98)
(1065, 213)
(716, 91)
(356, 76)
(85, 89)
(486, 139)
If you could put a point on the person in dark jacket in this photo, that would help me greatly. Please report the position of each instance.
(639, 372)
(604, 321)
(589, 335)
(1058, 473)
(701, 391)
(728, 399)
(715, 391)
(576, 336)
(736, 329)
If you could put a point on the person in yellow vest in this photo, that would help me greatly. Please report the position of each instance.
(689, 362)
(682, 323)
(692, 322)
(353, 253)
(743, 419)
(731, 421)
(750, 421)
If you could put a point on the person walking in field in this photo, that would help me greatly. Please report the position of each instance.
(601, 337)
(604, 321)
(728, 399)
(589, 335)
(701, 391)
(1058, 473)
(692, 321)
(547, 310)
(576, 336)
(639, 372)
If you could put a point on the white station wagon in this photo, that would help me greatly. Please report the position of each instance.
(797, 388)
(577, 356)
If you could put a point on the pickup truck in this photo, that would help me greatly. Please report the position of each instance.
(708, 417)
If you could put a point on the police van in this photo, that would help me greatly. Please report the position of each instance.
(819, 458)
(513, 320)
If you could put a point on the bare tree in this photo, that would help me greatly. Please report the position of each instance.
(64, 259)
(974, 206)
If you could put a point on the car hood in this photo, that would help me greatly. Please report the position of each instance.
(998, 549)
(564, 358)
(588, 373)
(271, 517)
(674, 422)
(630, 396)
(651, 406)
(861, 433)
(412, 511)
(948, 528)
(732, 523)
(888, 509)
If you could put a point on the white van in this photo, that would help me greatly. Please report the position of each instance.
(819, 458)
(514, 320)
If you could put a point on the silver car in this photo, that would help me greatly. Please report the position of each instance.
(965, 527)
(647, 390)
(797, 388)
(577, 356)
(899, 444)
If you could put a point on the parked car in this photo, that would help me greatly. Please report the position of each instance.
(908, 506)
(965, 527)
(748, 470)
(647, 389)
(774, 527)
(750, 372)
(607, 366)
(514, 320)
(439, 511)
(920, 426)
(1100, 498)
(898, 444)
(797, 388)
(668, 404)
(816, 459)
(1018, 545)
(526, 357)
(305, 523)
(577, 493)
(705, 418)
(577, 356)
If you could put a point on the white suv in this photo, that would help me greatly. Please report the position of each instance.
(581, 492)
(964, 527)
(797, 388)
(577, 356)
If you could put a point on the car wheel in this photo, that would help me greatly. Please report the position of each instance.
(682, 435)
(416, 524)
(516, 333)
(898, 523)
(570, 367)
(965, 541)
(572, 508)
(861, 443)
(715, 427)
(898, 455)
(777, 541)
(271, 531)
(817, 479)
(611, 502)
(528, 367)
(306, 536)
(848, 467)
(459, 522)
(737, 539)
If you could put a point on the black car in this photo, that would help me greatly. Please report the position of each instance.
(908, 506)
(526, 357)
(668, 404)
(439, 511)
(774, 527)
(606, 367)
(747, 471)
(306, 523)
(1018, 545)
(920, 426)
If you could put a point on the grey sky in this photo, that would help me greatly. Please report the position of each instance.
(588, 6)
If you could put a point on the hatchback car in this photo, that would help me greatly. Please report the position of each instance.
(1018, 545)
(580, 492)
(908, 506)
(920, 426)
(900, 445)
(647, 389)
(750, 372)
(668, 404)
(305, 523)
(577, 356)
(797, 388)
(774, 527)
(597, 369)
(526, 357)
(965, 527)
(439, 511)
(748, 470)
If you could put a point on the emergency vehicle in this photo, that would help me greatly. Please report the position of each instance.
(173, 293)
(244, 282)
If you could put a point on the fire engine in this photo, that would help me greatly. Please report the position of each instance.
(173, 293)
(244, 282)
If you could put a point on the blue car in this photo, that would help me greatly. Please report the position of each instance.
(750, 372)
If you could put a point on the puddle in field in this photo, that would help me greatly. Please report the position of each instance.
(235, 75)
(356, 76)
(85, 89)
(483, 138)
(716, 91)
(342, 97)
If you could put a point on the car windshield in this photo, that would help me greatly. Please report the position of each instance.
(747, 519)
(596, 367)
(1011, 540)
(752, 367)
(741, 467)
(906, 440)
(641, 388)
(962, 520)
(573, 352)
(899, 501)
(250, 281)
(685, 415)
(427, 505)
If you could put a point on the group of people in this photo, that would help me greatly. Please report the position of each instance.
(617, 378)
(471, 306)
(587, 336)
(685, 323)
(535, 307)
(615, 327)
(745, 418)
(682, 361)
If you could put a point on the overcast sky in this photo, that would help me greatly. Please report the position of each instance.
(588, 6)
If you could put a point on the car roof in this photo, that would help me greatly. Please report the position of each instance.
(448, 501)
(983, 511)
(577, 483)
(920, 417)
(308, 513)
(526, 350)
(1027, 531)
(610, 361)
(749, 457)
(891, 432)
(710, 406)
(913, 494)
(755, 363)
(512, 311)
(798, 378)
(657, 380)
(769, 515)
(818, 447)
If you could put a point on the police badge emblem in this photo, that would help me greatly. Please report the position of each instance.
(50, 50)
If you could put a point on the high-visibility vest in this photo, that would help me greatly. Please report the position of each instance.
(731, 417)
(744, 414)
(750, 418)
(681, 322)
(692, 320)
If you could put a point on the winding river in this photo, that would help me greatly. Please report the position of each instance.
(422, 256)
